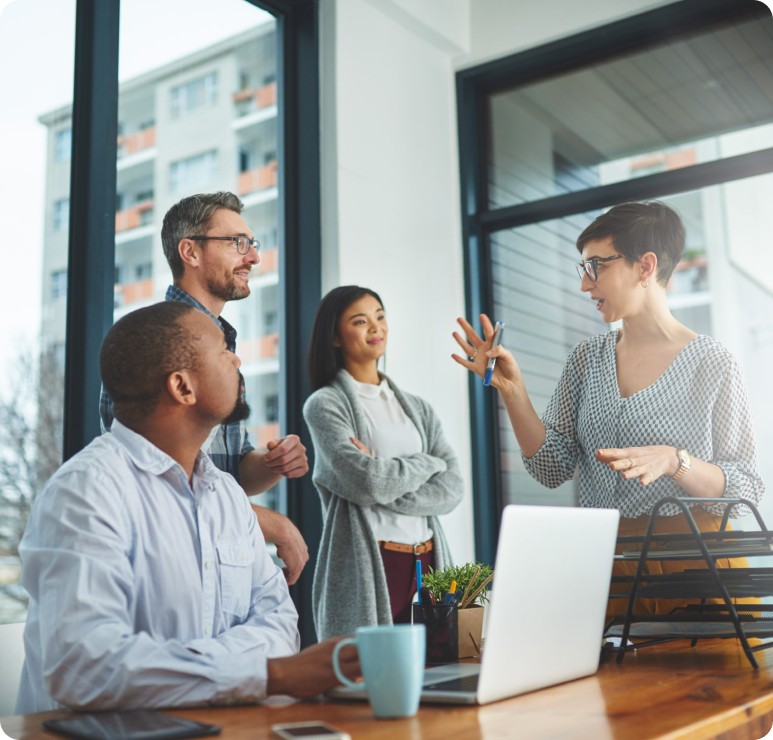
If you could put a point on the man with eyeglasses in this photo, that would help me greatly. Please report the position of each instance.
(211, 251)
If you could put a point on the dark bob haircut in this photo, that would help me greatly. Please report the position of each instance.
(139, 353)
(324, 360)
(638, 228)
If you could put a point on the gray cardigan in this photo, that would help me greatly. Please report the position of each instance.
(350, 588)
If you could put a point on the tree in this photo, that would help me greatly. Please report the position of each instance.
(31, 426)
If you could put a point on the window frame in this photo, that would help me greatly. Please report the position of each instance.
(91, 265)
(474, 86)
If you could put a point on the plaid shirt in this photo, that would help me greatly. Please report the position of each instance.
(230, 442)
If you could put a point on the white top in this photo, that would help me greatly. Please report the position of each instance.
(390, 433)
(146, 590)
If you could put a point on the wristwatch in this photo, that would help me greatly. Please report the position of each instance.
(686, 460)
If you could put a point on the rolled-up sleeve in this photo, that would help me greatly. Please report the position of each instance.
(734, 444)
(555, 461)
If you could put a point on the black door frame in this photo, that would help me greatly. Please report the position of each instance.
(474, 86)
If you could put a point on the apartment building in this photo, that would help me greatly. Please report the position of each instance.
(205, 122)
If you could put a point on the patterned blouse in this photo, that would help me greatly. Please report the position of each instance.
(699, 404)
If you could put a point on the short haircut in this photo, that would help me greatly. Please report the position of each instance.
(191, 217)
(139, 353)
(324, 360)
(638, 228)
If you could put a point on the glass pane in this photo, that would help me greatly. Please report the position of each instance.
(34, 193)
(197, 113)
(699, 99)
(723, 287)
(537, 295)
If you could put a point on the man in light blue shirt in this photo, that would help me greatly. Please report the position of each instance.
(149, 581)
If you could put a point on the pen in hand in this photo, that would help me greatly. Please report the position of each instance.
(498, 331)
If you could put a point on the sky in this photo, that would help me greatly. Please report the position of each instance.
(37, 41)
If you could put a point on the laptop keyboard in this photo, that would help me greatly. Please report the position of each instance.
(466, 683)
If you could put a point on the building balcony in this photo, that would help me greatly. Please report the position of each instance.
(134, 217)
(261, 178)
(128, 293)
(144, 139)
(259, 348)
(254, 99)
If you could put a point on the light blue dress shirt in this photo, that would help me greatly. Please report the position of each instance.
(146, 591)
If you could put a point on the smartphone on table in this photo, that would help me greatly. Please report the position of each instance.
(309, 731)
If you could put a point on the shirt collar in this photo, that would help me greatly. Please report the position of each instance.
(173, 293)
(368, 390)
(146, 456)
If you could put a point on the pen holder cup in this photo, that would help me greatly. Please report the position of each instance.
(442, 624)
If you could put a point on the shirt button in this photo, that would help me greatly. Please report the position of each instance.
(208, 564)
(207, 629)
(178, 470)
(244, 556)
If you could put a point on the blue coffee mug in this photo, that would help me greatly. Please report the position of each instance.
(392, 662)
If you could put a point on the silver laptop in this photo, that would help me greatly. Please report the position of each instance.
(545, 619)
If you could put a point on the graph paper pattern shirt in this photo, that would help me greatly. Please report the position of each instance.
(699, 404)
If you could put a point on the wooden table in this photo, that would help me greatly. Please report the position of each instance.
(667, 691)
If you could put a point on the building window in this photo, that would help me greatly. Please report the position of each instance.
(272, 408)
(63, 145)
(193, 173)
(58, 285)
(62, 214)
(195, 94)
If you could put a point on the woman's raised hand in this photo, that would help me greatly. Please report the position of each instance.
(479, 352)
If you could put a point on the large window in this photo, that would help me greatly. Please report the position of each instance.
(687, 119)
(199, 83)
(35, 152)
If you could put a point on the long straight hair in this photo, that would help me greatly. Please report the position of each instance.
(324, 360)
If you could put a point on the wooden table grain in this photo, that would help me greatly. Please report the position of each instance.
(666, 692)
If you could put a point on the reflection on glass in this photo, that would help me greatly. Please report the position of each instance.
(34, 192)
(699, 99)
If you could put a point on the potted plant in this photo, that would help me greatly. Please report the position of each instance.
(472, 582)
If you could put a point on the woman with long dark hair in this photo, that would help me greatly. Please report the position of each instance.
(382, 467)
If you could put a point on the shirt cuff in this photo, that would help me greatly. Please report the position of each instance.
(241, 679)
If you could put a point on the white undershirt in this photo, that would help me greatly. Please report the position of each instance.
(390, 433)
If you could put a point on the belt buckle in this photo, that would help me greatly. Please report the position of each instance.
(416, 549)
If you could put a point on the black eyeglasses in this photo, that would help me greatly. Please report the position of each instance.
(591, 267)
(242, 243)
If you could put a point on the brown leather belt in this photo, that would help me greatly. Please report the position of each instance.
(412, 549)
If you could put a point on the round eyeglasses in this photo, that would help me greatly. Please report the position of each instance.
(242, 243)
(591, 267)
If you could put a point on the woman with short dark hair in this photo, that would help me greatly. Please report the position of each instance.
(382, 467)
(646, 411)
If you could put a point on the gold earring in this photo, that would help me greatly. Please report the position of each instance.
(645, 283)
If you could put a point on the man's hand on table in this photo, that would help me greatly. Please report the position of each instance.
(290, 545)
(310, 672)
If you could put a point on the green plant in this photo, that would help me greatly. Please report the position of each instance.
(439, 581)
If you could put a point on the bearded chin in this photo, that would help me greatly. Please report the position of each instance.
(227, 290)
(241, 411)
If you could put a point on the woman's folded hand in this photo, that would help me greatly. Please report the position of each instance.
(645, 463)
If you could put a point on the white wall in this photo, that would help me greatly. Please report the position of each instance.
(390, 176)
(501, 27)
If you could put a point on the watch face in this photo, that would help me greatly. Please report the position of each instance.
(684, 458)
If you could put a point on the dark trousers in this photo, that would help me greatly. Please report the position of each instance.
(400, 569)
